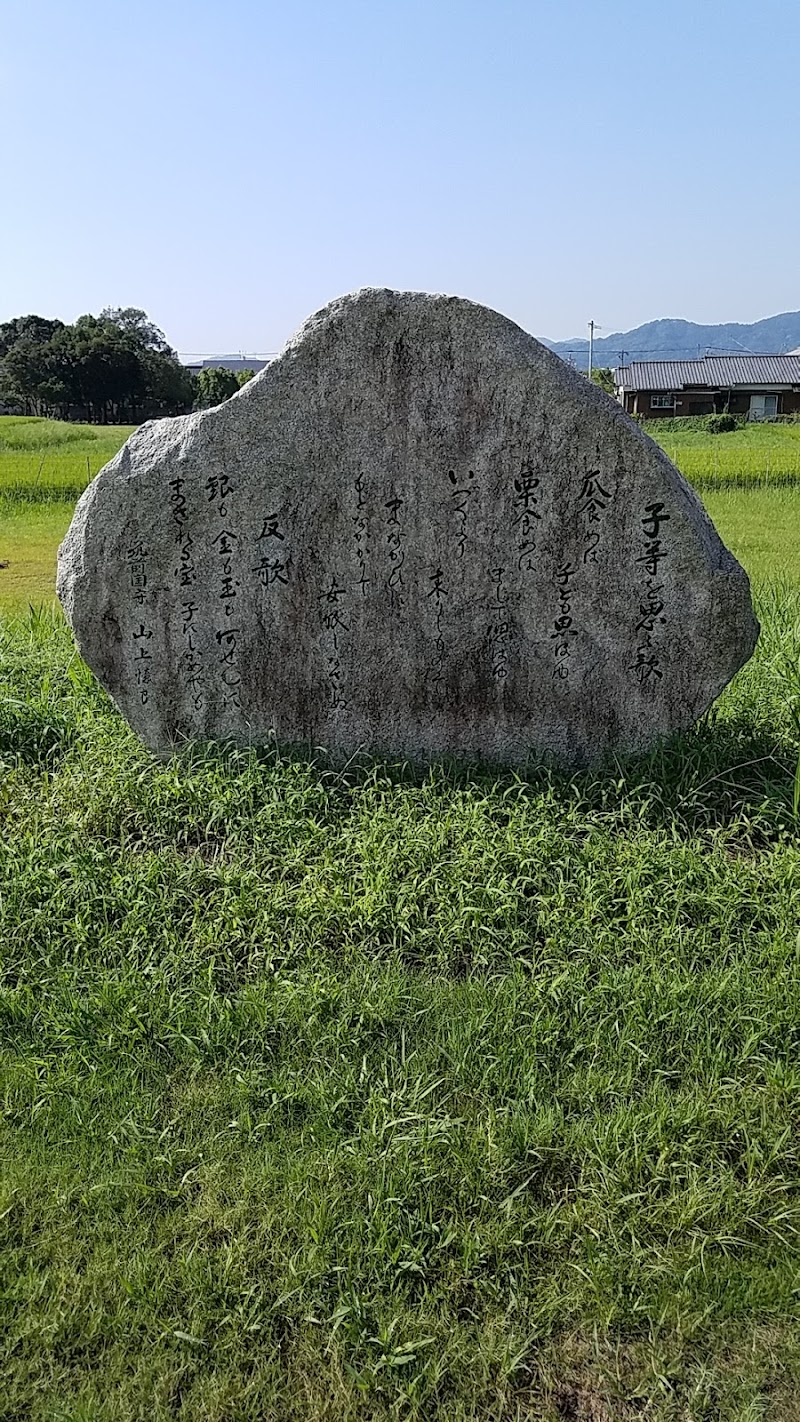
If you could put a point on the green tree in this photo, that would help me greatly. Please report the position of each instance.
(603, 376)
(102, 368)
(138, 327)
(36, 329)
(27, 380)
(242, 377)
(116, 367)
(169, 387)
(215, 384)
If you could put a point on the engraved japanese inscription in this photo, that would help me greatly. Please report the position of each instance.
(417, 532)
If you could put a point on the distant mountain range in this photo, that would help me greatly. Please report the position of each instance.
(684, 340)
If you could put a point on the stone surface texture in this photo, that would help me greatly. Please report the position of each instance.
(417, 532)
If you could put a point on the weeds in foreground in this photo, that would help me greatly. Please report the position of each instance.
(397, 1092)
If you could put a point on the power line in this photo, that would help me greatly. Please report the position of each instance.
(658, 352)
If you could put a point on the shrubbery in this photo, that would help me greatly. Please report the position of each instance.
(722, 424)
(710, 424)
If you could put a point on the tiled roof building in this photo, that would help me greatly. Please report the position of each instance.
(759, 386)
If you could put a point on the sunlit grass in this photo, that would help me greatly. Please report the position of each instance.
(392, 1094)
(376, 1094)
(758, 455)
(50, 458)
(29, 539)
(761, 527)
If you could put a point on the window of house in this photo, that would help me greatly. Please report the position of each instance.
(662, 402)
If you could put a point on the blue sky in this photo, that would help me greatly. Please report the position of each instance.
(232, 167)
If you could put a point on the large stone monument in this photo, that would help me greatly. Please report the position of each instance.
(417, 532)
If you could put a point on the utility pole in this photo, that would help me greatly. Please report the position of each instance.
(592, 328)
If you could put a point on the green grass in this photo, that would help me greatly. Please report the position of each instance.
(761, 527)
(378, 1094)
(758, 455)
(29, 538)
(44, 467)
(395, 1094)
(45, 459)
(36, 432)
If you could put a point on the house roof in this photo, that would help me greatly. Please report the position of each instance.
(657, 374)
(234, 363)
(711, 372)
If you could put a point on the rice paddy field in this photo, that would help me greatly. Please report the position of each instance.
(391, 1094)
(49, 459)
(758, 456)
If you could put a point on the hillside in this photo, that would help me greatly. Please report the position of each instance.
(684, 340)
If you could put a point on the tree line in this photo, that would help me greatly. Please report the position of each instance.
(115, 368)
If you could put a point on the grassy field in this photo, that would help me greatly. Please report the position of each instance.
(29, 538)
(367, 1095)
(44, 467)
(47, 459)
(758, 455)
(381, 1094)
